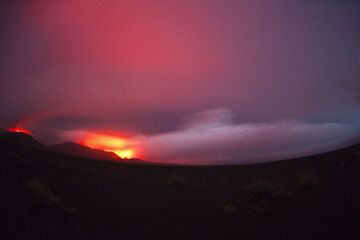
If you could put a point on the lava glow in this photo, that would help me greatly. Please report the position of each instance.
(118, 145)
(19, 130)
(125, 153)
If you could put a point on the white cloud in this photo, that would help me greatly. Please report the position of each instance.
(211, 137)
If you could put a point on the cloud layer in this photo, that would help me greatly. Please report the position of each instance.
(265, 79)
(211, 137)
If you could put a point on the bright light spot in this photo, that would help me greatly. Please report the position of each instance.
(19, 130)
(124, 153)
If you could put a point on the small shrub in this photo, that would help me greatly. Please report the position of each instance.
(176, 180)
(263, 185)
(261, 191)
(307, 180)
(229, 208)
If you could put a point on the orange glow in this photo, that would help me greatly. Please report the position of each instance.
(118, 145)
(19, 130)
(124, 153)
(103, 142)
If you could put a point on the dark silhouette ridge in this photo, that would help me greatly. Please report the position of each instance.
(19, 138)
(74, 149)
(69, 149)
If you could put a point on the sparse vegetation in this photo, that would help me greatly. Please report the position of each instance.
(229, 208)
(260, 191)
(42, 194)
(263, 185)
(175, 179)
(306, 180)
(45, 195)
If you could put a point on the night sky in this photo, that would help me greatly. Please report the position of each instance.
(199, 82)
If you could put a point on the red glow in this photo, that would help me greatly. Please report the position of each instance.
(19, 130)
(118, 145)
(126, 34)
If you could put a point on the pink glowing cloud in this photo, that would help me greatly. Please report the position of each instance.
(273, 73)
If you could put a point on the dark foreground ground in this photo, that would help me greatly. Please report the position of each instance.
(49, 196)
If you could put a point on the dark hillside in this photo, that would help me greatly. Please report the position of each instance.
(50, 196)
(82, 151)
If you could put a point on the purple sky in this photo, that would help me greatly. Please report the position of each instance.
(201, 82)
